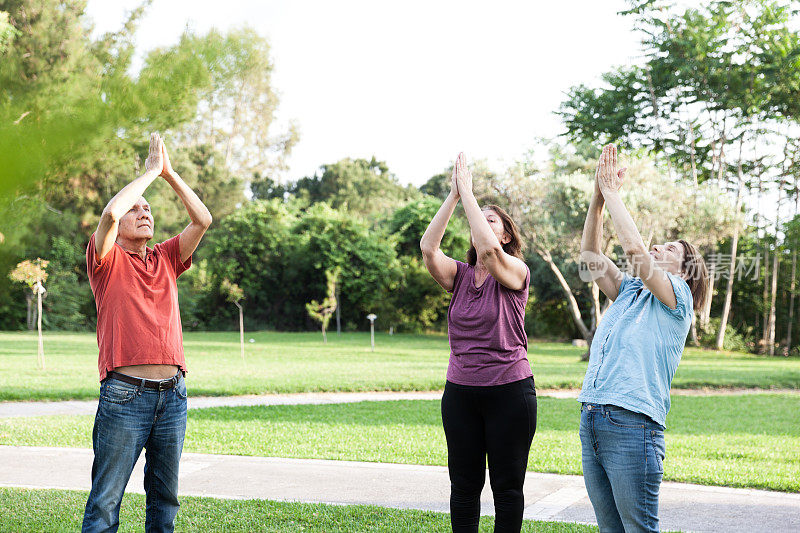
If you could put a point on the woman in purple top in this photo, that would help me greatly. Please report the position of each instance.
(489, 401)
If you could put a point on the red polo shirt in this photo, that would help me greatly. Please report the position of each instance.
(138, 321)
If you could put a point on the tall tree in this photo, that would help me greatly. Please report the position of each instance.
(236, 115)
(713, 79)
(66, 100)
(363, 187)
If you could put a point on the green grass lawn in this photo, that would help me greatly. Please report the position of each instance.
(738, 441)
(299, 362)
(61, 510)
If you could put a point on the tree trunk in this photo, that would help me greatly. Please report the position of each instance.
(793, 282)
(39, 327)
(324, 335)
(338, 317)
(693, 330)
(721, 157)
(241, 328)
(705, 312)
(765, 300)
(30, 320)
(792, 287)
(726, 306)
(692, 153)
(236, 120)
(773, 296)
(774, 289)
(571, 301)
(574, 310)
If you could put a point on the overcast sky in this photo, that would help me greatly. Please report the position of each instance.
(412, 83)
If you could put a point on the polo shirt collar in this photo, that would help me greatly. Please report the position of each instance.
(148, 253)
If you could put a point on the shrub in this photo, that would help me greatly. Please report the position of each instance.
(735, 340)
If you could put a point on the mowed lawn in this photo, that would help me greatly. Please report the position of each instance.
(61, 510)
(739, 441)
(300, 362)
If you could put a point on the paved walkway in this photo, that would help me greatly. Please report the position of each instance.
(548, 496)
(89, 407)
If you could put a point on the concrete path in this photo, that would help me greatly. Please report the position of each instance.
(548, 496)
(89, 407)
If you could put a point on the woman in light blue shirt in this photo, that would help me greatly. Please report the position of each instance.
(634, 354)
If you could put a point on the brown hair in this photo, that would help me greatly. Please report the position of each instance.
(694, 266)
(513, 247)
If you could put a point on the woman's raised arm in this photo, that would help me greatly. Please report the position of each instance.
(644, 266)
(600, 268)
(442, 268)
(510, 271)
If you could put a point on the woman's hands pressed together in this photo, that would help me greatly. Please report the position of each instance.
(463, 176)
(454, 184)
(608, 178)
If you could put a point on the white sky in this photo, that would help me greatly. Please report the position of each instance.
(412, 83)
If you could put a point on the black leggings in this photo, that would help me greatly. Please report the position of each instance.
(498, 421)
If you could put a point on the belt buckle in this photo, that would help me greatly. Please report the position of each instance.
(162, 385)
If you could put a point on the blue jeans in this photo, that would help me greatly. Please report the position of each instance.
(129, 418)
(623, 458)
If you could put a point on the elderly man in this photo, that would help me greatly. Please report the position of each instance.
(142, 394)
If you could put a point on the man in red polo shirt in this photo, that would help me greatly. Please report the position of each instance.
(143, 394)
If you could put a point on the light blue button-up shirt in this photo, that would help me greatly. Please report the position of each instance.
(636, 349)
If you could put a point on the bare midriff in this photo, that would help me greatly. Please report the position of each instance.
(148, 371)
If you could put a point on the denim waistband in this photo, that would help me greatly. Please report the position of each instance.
(605, 408)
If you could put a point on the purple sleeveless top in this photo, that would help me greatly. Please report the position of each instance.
(486, 328)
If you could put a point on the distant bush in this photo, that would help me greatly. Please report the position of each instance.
(735, 341)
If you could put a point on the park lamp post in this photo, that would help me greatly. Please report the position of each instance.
(371, 317)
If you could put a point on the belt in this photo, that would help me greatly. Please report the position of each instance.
(159, 385)
(589, 406)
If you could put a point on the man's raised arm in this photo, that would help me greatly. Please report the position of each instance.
(121, 203)
(198, 212)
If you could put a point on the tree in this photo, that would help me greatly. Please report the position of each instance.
(266, 188)
(34, 274)
(322, 311)
(363, 187)
(237, 110)
(7, 32)
(234, 295)
(792, 232)
(437, 186)
(69, 300)
(256, 246)
(366, 254)
(68, 101)
(417, 302)
(711, 93)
